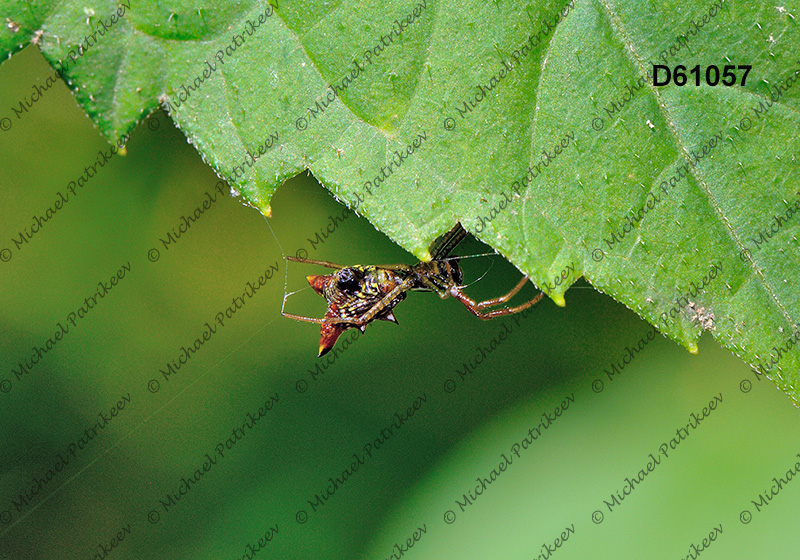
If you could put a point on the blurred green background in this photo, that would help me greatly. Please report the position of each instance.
(274, 469)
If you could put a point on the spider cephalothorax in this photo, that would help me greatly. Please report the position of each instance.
(358, 295)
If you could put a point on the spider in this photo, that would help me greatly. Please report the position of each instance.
(358, 295)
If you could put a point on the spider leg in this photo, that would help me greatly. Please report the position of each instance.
(313, 261)
(504, 298)
(326, 320)
(477, 308)
(306, 319)
(399, 267)
(386, 300)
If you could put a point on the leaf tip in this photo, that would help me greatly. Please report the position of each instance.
(266, 210)
(559, 300)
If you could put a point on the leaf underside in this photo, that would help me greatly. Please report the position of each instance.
(487, 90)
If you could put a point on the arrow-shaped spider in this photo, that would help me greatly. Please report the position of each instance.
(358, 295)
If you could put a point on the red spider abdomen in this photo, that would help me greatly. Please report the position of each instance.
(317, 282)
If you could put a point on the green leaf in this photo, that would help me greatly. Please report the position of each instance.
(482, 93)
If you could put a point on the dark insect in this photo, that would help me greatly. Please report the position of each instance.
(358, 295)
